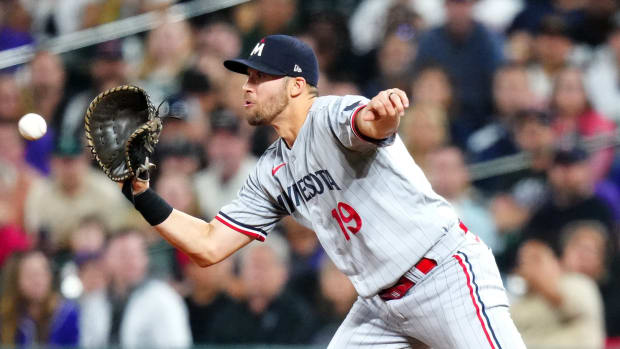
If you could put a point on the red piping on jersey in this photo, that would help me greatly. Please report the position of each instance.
(353, 126)
(242, 231)
(471, 294)
(275, 169)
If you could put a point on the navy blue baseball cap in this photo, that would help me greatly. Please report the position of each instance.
(279, 55)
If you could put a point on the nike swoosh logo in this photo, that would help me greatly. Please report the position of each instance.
(275, 169)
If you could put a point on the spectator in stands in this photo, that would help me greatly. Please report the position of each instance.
(11, 108)
(45, 95)
(382, 15)
(449, 177)
(586, 249)
(574, 118)
(167, 53)
(178, 155)
(31, 312)
(519, 47)
(12, 157)
(561, 309)
(14, 28)
(207, 296)
(88, 240)
(12, 236)
(270, 314)
(107, 69)
(337, 298)
(331, 41)
(589, 249)
(174, 187)
(572, 198)
(534, 137)
(177, 187)
(552, 52)
(196, 101)
(603, 75)
(462, 41)
(306, 257)
(432, 86)
(394, 58)
(216, 42)
(424, 129)
(522, 192)
(272, 17)
(597, 23)
(534, 12)
(73, 191)
(45, 91)
(135, 311)
(511, 94)
(229, 164)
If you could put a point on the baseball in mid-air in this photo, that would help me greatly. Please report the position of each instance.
(32, 126)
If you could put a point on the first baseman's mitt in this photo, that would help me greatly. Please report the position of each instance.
(122, 128)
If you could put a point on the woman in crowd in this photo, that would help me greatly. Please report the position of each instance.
(575, 118)
(31, 311)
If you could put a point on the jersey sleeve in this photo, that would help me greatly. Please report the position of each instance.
(254, 212)
(341, 118)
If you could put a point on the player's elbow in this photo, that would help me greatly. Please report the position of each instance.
(203, 262)
(205, 257)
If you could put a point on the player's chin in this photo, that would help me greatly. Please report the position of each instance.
(256, 120)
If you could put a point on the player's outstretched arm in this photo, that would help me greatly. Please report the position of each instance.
(381, 117)
(205, 243)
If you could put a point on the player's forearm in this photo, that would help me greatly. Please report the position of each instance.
(205, 243)
(192, 236)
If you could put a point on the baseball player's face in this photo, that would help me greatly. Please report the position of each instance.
(265, 97)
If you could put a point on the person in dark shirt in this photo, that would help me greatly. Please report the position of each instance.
(206, 297)
(270, 314)
(572, 198)
(530, 17)
(463, 42)
(305, 260)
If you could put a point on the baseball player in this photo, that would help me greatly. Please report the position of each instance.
(340, 169)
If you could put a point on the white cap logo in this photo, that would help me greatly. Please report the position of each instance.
(296, 68)
(258, 49)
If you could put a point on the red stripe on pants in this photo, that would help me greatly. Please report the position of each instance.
(471, 293)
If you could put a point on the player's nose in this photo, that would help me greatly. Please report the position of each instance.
(248, 86)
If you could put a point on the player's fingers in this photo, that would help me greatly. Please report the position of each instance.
(384, 97)
(397, 103)
(378, 107)
(403, 97)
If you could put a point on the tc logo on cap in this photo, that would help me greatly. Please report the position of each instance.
(258, 49)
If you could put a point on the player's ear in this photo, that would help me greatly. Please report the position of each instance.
(298, 84)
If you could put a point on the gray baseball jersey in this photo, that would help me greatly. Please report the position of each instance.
(370, 205)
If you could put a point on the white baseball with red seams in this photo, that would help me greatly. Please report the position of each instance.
(376, 216)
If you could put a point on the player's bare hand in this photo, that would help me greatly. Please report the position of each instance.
(137, 187)
(388, 104)
(381, 116)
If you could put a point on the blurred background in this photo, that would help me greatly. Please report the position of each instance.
(514, 121)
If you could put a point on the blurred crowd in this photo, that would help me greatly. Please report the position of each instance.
(525, 91)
